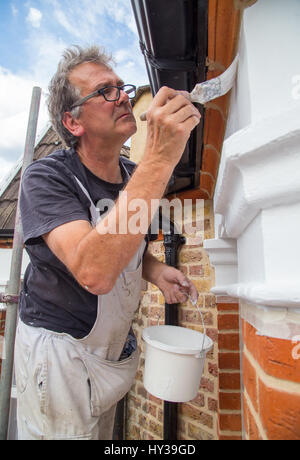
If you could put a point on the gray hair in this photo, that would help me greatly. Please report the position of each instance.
(62, 94)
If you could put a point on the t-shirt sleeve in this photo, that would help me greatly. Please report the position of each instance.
(48, 199)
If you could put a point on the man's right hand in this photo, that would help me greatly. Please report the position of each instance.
(170, 119)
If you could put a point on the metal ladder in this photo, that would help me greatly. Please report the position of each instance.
(11, 296)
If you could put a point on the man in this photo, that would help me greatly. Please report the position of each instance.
(76, 355)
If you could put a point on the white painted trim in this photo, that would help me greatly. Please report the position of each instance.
(221, 251)
(280, 323)
(260, 168)
(263, 294)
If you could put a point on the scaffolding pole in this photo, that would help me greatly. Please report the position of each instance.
(13, 288)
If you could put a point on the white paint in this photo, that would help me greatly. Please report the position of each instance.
(285, 294)
(281, 323)
(260, 167)
(223, 256)
(269, 49)
(252, 267)
(257, 195)
(240, 102)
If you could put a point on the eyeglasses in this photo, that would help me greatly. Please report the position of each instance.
(110, 94)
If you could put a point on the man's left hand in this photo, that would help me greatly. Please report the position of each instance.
(175, 286)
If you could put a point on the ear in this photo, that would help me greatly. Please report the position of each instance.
(72, 124)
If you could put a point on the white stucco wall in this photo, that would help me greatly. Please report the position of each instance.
(269, 68)
(257, 195)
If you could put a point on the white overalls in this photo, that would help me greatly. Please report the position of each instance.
(68, 388)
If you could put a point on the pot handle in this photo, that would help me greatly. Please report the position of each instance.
(195, 303)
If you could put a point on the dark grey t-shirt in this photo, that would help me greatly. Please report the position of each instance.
(50, 196)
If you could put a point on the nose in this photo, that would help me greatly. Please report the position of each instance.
(124, 97)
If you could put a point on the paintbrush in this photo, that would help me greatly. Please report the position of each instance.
(211, 89)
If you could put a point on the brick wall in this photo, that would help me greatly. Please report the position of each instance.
(197, 419)
(229, 416)
(271, 371)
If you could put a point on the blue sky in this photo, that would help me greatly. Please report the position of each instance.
(33, 35)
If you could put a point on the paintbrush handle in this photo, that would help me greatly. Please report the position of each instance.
(143, 116)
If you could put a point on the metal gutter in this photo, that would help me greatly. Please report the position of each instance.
(173, 40)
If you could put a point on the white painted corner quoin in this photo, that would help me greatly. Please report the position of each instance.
(257, 195)
(257, 203)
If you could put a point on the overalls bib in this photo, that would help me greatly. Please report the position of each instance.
(107, 338)
(68, 388)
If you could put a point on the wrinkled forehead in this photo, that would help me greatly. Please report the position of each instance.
(90, 76)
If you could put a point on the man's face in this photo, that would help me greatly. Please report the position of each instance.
(109, 121)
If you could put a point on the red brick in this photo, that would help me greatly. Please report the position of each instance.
(228, 306)
(152, 409)
(253, 430)
(230, 422)
(230, 401)
(251, 427)
(230, 438)
(250, 382)
(157, 401)
(228, 322)
(207, 385)
(213, 369)
(275, 356)
(229, 381)
(280, 413)
(195, 414)
(228, 341)
(209, 301)
(245, 414)
(192, 316)
(229, 361)
(196, 270)
(212, 404)
(199, 400)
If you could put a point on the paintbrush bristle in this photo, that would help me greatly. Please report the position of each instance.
(216, 87)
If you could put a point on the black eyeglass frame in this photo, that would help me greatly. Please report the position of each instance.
(101, 92)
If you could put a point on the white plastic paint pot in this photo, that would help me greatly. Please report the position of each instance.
(174, 361)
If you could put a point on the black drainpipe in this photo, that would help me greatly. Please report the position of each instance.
(172, 242)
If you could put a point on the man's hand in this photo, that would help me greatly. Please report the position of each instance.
(175, 287)
(170, 119)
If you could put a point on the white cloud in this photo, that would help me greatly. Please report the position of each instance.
(15, 96)
(110, 24)
(14, 10)
(34, 17)
(45, 52)
(6, 166)
(63, 21)
(122, 55)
